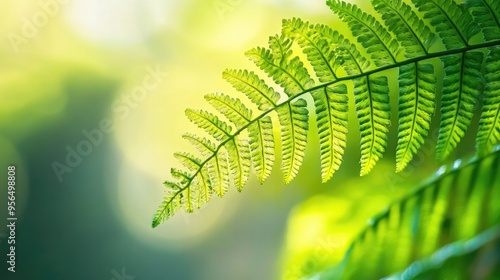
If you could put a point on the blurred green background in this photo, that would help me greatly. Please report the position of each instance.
(92, 106)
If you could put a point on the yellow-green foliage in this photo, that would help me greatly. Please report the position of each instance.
(410, 36)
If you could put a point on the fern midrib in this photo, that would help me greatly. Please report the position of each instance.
(346, 78)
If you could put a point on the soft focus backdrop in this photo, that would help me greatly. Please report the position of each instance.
(92, 100)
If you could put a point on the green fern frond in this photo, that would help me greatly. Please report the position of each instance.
(456, 205)
(314, 62)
